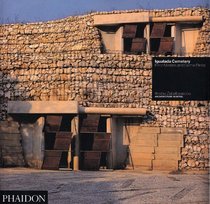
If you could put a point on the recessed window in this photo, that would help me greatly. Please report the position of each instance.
(152, 38)
(161, 40)
(110, 39)
(133, 38)
(186, 38)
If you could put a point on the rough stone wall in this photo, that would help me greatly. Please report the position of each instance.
(61, 60)
(73, 33)
(11, 152)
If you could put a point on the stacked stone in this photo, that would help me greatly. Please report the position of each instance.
(10, 144)
(195, 154)
(203, 43)
(74, 33)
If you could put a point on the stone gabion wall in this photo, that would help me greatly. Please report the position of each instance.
(61, 60)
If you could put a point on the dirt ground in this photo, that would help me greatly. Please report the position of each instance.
(106, 187)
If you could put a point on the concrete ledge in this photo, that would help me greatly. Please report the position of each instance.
(173, 130)
(174, 157)
(148, 130)
(170, 137)
(42, 107)
(177, 19)
(168, 150)
(146, 143)
(141, 156)
(146, 136)
(145, 162)
(112, 19)
(140, 149)
(167, 165)
(163, 143)
(112, 111)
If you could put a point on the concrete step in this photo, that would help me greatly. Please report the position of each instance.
(139, 148)
(146, 143)
(143, 163)
(163, 143)
(143, 168)
(168, 150)
(149, 130)
(167, 157)
(173, 130)
(166, 165)
(170, 137)
(146, 136)
(141, 156)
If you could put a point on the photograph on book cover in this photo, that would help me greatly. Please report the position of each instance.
(104, 101)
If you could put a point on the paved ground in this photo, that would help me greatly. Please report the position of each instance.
(106, 187)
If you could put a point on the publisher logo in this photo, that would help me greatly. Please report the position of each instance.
(40, 197)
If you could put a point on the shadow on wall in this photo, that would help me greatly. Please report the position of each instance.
(17, 132)
(32, 136)
(10, 147)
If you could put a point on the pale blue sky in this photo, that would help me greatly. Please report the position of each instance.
(42, 10)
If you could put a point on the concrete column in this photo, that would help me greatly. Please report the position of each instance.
(119, 44)
(119, 149)
(75, 131)
(147, 36)
(113, 142)
(33, 142)
(108, 125)
(173, 31)
(173, 34)
(109, 154)
(38, 142)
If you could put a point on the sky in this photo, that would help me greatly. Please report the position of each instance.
(22, 11)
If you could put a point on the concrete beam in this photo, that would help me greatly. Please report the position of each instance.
(66, 107)
(113, 111)
(177, 19)
(75, 131)
(113, 19)
(42, 107)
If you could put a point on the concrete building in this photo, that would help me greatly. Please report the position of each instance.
(77, 92)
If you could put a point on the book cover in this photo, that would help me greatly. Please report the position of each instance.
(104, 102)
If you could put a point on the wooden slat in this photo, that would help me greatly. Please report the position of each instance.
(92, 160)
(138, 45)
(92, 155)
(62, 140)
(90, 123)
(101, 142)
(166, 45)
(101, 145)
(52, 160)
(53, 123)
(102, 135)
(158, 30)
(129, 31)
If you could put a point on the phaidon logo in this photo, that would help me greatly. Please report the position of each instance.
(40, 197)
